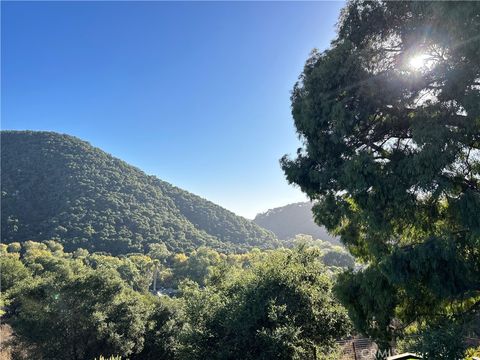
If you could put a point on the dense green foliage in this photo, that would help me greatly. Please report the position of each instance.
(59, 187)
(271, 304)
(280, 308)
(390, 120)
(290, 220)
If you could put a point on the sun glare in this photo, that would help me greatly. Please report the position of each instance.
(418, 61)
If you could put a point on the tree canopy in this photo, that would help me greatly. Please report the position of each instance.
(266, 304)
(389, 117)
(282, 307)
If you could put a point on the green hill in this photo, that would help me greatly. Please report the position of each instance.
(59, 187)
(293, 219)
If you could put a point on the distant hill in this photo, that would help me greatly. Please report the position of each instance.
(59, 187)
(293, 219)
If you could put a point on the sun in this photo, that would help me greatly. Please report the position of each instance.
(418, 61)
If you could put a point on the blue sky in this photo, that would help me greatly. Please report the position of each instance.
(195, 93)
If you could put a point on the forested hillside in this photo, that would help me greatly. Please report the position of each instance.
(58, 187)
(293, 219)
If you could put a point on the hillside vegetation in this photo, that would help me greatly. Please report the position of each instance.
(58, 187)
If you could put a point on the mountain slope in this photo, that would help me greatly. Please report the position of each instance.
(293, 219)
(58, 187)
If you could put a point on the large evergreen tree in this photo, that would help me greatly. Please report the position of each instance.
(390, 121)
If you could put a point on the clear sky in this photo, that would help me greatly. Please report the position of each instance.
(195, 93)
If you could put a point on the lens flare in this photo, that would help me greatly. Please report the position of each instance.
(418, 61)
